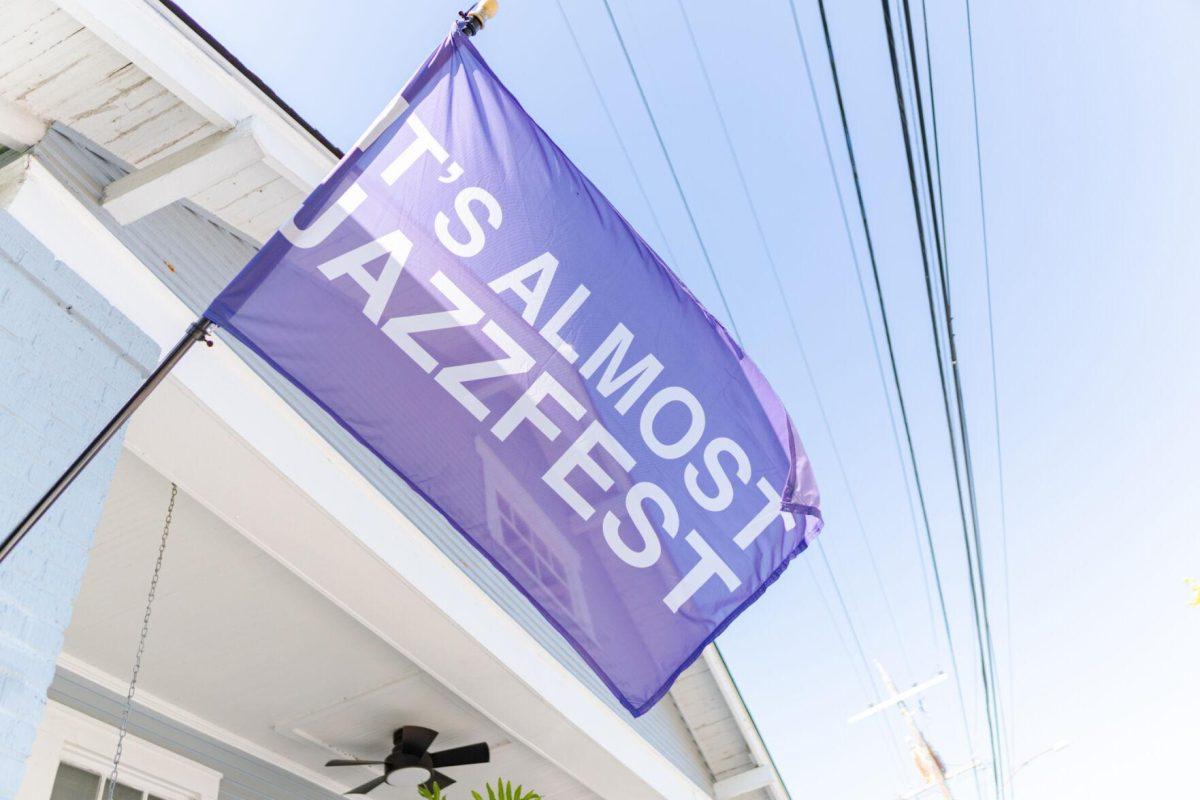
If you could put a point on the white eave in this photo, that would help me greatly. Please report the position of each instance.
(711, 705)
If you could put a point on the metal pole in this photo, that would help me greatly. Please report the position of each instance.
(922, 751)
(197, 332)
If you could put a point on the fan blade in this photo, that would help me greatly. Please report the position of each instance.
(440, 778)
(416, 740)
(461, 756)
(368, 786)
(349, 762)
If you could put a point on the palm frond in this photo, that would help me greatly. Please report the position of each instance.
(434, 794)
(504, 791)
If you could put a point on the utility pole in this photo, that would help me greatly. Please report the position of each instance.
(929, 764)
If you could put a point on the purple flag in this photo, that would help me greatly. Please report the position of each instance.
(470, 307)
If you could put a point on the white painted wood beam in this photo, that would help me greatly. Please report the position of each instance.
(18, 127)
(145, 34)
(743, 783)
(181, 174)
(741, 715)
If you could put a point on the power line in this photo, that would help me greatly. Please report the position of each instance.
(943, 259)
(987, 272)
(937, 150)
(866, 687)
(909, 83)
(873, 336)
(978, 592)
(875, 696)
(870, 692)
(944, 274)
(970, 532)
(884, 318)
(612, 123)
(671, 167)
(675, 175)
(804, 358)
(795, 329)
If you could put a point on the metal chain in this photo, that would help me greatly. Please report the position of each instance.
(141, 648)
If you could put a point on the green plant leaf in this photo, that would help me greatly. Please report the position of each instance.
(504, 791)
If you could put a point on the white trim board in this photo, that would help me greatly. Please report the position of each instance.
(186, 719)
(141, 32)
(69, 736)
(741, 715)
(181, 174)
(18, 127)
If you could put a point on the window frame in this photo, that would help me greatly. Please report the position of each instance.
(72, 737)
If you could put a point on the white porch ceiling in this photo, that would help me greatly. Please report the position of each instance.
(240, 642)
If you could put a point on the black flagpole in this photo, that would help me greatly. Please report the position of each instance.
(197, 332)
(469, 23)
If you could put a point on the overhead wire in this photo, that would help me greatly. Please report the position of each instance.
(687, 206)
(970, 533)
(870, 322)
(872, 334)
(874, 696)
(987, 272)
(937, 149)
(865, 684)
(612, 123)
(964, 433)
(909, 82)
(1004, 719)
(795, 330)
(937, 221)
(917, 205)
(884, 318)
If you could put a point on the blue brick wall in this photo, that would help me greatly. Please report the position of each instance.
(68, 360)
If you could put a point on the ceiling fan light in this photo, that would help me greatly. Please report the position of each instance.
(409, 777)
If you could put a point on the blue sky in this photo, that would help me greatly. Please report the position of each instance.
(1088, 114)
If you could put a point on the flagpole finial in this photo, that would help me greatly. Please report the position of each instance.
(472, 22)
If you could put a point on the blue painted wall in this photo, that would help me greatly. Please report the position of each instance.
(68, 360)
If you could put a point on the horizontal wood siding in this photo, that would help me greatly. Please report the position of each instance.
(244, 777)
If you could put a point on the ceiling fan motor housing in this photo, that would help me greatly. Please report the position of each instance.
(410, 751)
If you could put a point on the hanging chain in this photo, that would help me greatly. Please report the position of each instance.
(141, 648)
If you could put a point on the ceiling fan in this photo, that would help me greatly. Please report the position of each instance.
(411, 764)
